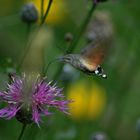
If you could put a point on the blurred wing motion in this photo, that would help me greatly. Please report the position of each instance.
(94, 54)
(99, 36)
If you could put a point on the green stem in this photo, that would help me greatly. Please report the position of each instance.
(22, 131)
(42, 9)
(42, 21)
(47, 12)
(82, 30)
(76, 40)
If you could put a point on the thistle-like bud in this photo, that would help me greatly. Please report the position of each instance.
(68, 37)
(29, 13)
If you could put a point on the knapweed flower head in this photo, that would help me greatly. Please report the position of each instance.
(29, 97)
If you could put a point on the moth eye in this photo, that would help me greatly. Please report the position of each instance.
(67, 58)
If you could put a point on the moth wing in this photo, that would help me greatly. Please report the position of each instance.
(94, 53)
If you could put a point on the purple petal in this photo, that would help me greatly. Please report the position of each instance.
(2, 94)
(9, 112)
(35, 115)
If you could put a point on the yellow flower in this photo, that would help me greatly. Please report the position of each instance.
(57, 13)
(89, 102)
(6, 7)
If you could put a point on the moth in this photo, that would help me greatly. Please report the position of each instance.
(88, 60)
(91, 57)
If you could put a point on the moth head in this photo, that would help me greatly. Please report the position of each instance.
(66, 58)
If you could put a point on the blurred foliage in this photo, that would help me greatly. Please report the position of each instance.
(113, 103)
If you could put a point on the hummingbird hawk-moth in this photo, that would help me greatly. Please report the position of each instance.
(88, 60)
(92, 56)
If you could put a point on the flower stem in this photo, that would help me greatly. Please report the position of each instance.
(29, 26)
(42, 9)
(22, 131)
(77, 39)
(47, 12)
(82, 30)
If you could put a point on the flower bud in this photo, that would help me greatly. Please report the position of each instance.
(29, 13)
(68, 37)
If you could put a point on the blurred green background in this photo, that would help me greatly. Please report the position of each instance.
(106, 107)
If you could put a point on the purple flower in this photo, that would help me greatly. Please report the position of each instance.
(28, 98)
